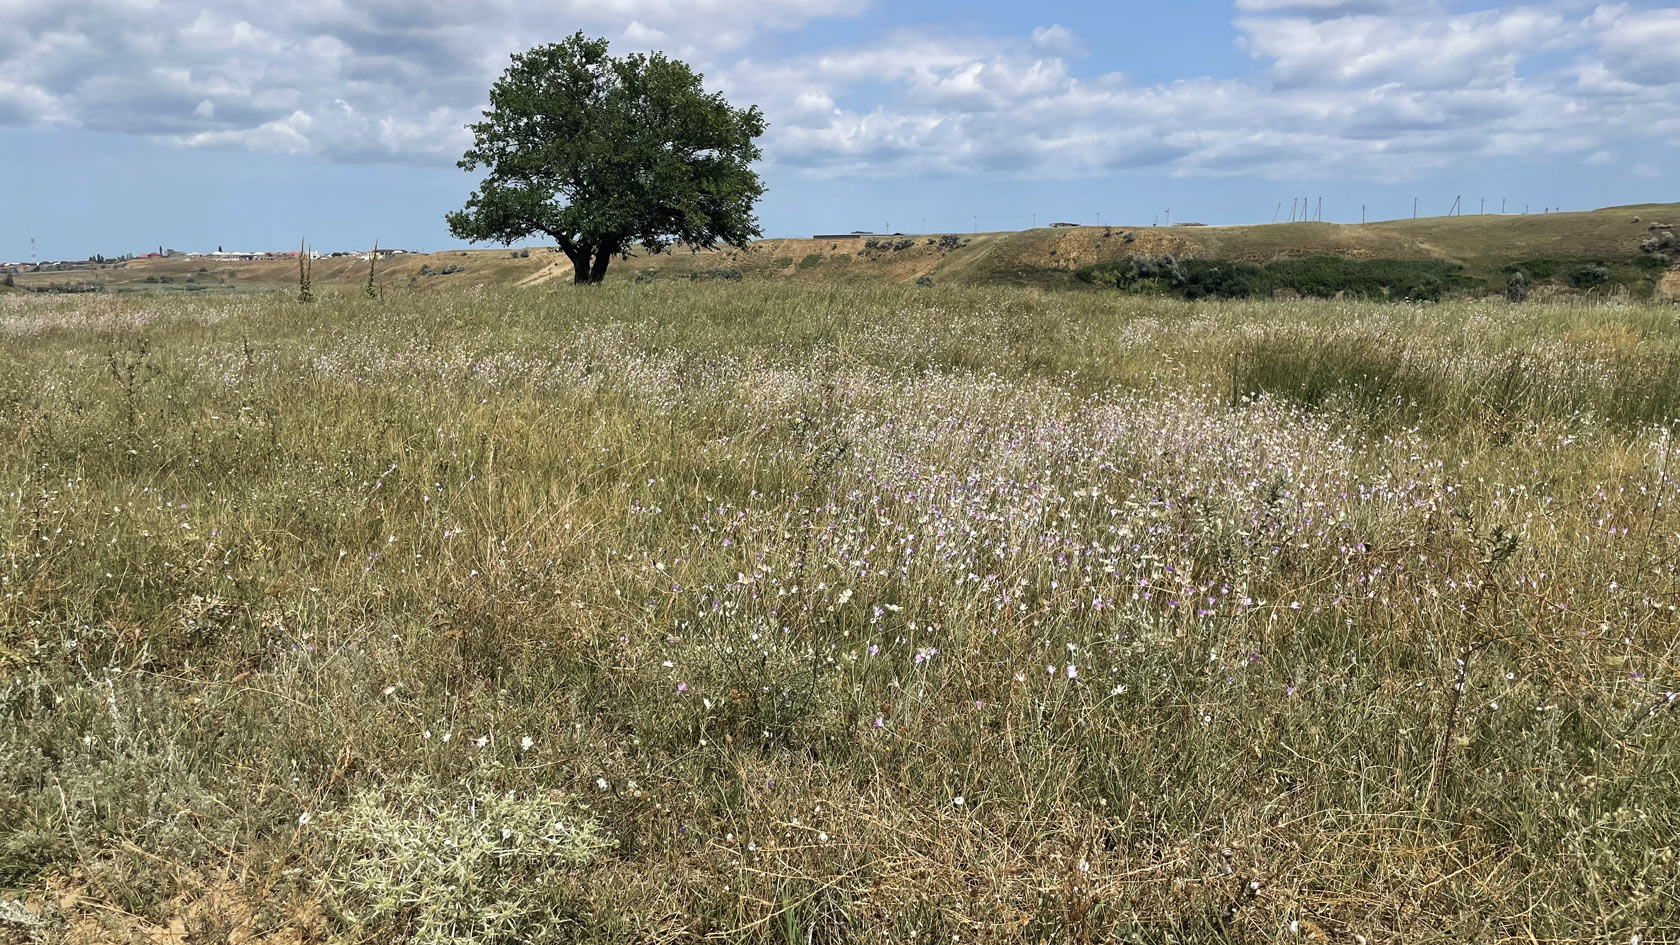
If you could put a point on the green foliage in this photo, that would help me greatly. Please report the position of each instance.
(604, 154)
(1589, 277)
(1538, 270)
(1316, 276)
(1516, 289)
(781, 262)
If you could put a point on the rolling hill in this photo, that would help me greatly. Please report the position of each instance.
(1485, 249)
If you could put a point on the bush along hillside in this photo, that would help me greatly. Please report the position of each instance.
(1315, 276)
(1637, 275)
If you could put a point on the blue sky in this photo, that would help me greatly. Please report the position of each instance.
(129, 124)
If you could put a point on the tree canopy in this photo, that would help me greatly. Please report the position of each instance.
(604, 154)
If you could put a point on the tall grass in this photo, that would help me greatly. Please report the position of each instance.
(737, 613)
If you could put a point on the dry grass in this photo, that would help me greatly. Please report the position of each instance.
(809, 614)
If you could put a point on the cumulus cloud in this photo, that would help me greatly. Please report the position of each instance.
(371, 80)
(1057, 40)
(1380, 88)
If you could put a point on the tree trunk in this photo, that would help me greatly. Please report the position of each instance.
(580, 269)
(598, 271)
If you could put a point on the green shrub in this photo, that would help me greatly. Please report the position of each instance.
(1371, 279)
(924, 281)
(811, 261)
(1215, 279)
(1316, 276)
(1538, 270)
(781, 262)
(1516, 289)
(1589, 277)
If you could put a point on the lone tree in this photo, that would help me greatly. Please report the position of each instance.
(603, 153)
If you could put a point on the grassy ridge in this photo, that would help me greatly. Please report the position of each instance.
(737, 613)
(1482, 250)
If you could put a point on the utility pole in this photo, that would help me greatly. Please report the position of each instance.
(1321, 209)
(1291, 209)
(1414, 208)
(1482, 212)
(1501, 206)
(1361, 213)
(1169, 216)
(1277, 211)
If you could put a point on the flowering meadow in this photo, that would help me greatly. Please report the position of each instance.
(746, 613)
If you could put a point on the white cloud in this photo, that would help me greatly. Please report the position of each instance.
(263, 75)
(1416, 51)
(1638, 47)
(1376, 88)
(1057, 40)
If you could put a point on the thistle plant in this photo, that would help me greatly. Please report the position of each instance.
(306, 292)
(372, 288)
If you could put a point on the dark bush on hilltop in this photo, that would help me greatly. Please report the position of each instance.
(1589, 277)
(903, 244)
(951, 241)
(1516, 290)
(925, 282)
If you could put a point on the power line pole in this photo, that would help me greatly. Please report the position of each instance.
(1414, 208)
(1361, 213)
(1277, 211)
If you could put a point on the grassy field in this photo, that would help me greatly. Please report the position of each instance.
(779, 613)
